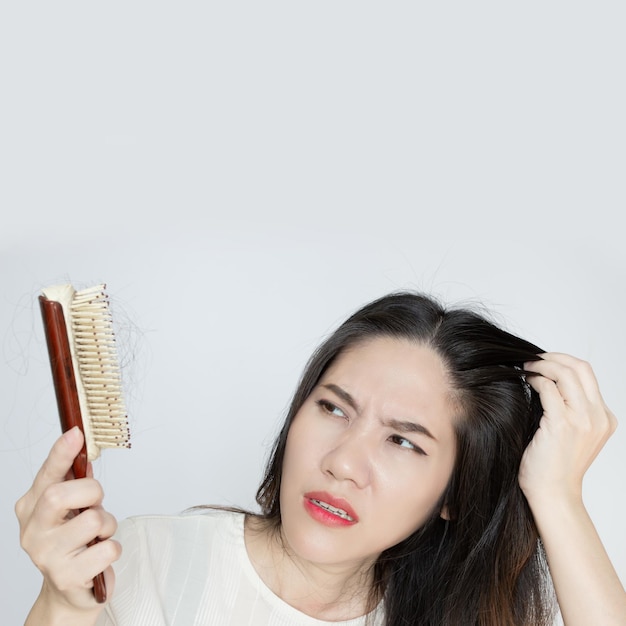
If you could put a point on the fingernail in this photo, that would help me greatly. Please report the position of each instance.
(71, 434)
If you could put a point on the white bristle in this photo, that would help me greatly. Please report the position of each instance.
(96, 355)
(90, 333)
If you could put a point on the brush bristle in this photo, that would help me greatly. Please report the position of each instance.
(96, 356)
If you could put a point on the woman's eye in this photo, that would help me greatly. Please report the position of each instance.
(405, 443)
(330, 408)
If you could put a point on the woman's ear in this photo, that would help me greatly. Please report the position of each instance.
(444, 513)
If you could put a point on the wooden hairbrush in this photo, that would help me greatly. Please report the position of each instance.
(86, 375)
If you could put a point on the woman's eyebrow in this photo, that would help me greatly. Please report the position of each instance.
(344, 395)
(409, 427)
(402, 426)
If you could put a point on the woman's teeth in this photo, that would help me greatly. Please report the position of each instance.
(335, 511)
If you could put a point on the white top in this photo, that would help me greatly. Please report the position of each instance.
(194, 570)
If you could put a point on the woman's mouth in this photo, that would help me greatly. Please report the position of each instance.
(333, 510)
(328, 510)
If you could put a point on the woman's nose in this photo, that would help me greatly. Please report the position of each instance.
(350, 459)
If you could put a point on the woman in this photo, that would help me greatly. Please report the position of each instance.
(424, 454)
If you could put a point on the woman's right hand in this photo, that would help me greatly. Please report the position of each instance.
(55, 537)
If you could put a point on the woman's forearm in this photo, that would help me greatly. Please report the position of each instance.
(587, 586)
(575, 425)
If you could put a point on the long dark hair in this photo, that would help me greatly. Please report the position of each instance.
(485, 564)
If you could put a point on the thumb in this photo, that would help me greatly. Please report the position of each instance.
(59, 462)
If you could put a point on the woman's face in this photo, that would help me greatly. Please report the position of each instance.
(369, 453)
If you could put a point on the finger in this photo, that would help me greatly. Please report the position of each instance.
(81, 530)
(96, 559)
(59, 462)
(83, 567)
(612, 420)
(109, 578)
(551, 399)
(592, 404)
(566, 380)
(55, 468)
(582, 368)
(59, 499)
(577, 384)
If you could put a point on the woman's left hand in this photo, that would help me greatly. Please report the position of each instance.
(575, 425)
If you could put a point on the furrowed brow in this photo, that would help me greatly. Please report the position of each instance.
(396, 424)
(409, 427)
(344, 395)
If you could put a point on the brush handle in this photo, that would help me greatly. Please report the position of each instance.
(64, 380)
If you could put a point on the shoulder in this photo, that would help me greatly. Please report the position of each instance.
(193, 524)
(173, 557)
(160, 545)
(208, 516)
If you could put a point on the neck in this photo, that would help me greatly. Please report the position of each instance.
(331, 592)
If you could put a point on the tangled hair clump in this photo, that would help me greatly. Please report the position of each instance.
(484, 565)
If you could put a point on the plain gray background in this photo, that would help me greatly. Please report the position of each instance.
(243, 176)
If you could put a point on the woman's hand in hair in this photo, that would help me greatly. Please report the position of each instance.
(575, 425)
